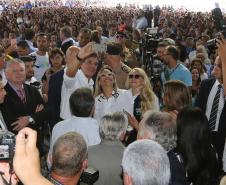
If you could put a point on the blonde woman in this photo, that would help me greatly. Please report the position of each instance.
(108, 98)
(145, 99)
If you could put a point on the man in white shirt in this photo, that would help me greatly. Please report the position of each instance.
(82, 107)
(81, 67)
(141, 22)
(42, 57)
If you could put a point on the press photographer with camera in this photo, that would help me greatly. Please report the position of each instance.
(19, 158)
(69, 159)
(26, 161)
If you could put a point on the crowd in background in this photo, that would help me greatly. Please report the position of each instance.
(115, 75)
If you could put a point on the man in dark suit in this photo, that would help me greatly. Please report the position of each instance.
(23, 105)
(54, 94)
(66, 38)
(211, 99)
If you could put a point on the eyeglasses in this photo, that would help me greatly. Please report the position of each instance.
(134, 76)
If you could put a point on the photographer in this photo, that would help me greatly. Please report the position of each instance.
(26, 161)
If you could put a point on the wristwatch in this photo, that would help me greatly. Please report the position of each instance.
(31, 120)
(78, 58)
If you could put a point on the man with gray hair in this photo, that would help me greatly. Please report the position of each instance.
(160, 127)
(145, 162)
(23, 105)
(69, 159)
(106, 156)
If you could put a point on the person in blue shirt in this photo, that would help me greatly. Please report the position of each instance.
(174, 69)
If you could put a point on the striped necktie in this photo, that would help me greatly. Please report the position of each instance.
(214, 109)
(21, 95)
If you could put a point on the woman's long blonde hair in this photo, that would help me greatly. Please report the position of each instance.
(98, 88)
(146, 94)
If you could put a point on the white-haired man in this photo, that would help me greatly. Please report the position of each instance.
(145, 162)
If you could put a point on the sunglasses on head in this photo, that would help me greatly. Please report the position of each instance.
(105, 75)
(134, 76)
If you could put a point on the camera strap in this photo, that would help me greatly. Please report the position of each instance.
(54, 181)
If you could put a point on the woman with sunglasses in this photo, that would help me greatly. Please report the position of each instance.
(129, 56)
(108, 98)
(144, 98)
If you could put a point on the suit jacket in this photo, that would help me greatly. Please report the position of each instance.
(201, 101)
(66, 45)
(13, 107)
(107, 157)
(54, 96)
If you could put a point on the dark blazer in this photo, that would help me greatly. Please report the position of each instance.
(66, 45)
(201, 101)
(54, 96)
(13, 107)
(177, 170)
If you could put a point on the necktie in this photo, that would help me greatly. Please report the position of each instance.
(21, 95)
(214, 110)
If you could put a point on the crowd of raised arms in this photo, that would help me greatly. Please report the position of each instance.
(132, 96)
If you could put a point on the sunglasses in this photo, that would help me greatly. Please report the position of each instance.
(119, 36)
(134, 76)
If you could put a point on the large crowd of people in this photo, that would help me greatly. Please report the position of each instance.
(90, 80)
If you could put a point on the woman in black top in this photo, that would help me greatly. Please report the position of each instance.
(194, 159)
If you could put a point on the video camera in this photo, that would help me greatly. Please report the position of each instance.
(89, 176)
(7, 145)
(220, 25)
(7, 148)
(150, 40)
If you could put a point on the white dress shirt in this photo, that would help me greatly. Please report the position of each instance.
(210, 103)
(117, 102)
(70, 84)
(86, 126)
